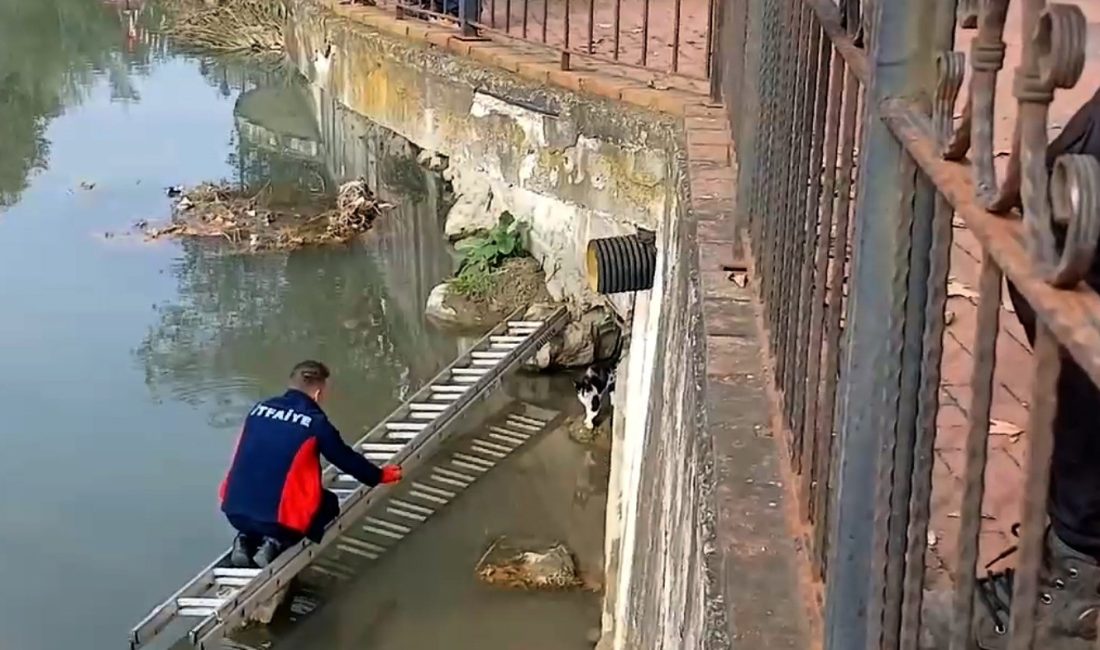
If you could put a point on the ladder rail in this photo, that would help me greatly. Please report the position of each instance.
(270, 580)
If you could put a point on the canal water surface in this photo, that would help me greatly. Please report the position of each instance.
(126, 366)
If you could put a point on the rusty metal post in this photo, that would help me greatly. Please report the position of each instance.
(467, 16)
(878, 344)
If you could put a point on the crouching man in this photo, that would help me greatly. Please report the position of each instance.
(273, 495)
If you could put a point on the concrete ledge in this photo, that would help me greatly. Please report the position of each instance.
(755, 564)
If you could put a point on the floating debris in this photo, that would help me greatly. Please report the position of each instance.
(528, 565)
(86, 185)
(257, 222)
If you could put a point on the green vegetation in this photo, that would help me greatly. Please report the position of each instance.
(482, 258)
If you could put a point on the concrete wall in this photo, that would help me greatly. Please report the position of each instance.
(662, 581)
(573, 168)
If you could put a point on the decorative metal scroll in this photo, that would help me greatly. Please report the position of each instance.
(1053, 57)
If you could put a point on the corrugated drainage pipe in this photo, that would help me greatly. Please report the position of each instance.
(621, 264)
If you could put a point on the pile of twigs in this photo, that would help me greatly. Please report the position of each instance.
(229, 25)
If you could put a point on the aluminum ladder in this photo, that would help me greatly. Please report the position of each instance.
(220, 597)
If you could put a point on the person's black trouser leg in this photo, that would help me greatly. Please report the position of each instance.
(328, 510)
(1074, 496)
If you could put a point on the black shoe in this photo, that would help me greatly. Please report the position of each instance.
(243, 549)
(268, 551)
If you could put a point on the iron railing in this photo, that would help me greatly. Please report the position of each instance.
(669, 36)
(852, 168)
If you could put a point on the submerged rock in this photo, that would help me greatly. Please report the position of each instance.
(575, 347)
(526, 564)
(442, 313)
(517, 283)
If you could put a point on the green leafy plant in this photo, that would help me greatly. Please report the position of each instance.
(484, 255)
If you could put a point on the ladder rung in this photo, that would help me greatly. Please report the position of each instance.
(446, 494)
(456, 475)
(389, 524)
(231, 581)
(485, 363)
(413, 507)
(465, 379)
(449, 388)
(508, 435)
(449, 481)
(381, 446)
(424, 415)
(528, 420)
(401, 435)
(522, 425)
(507, 340)
(495, 356)
(234, 572)
(378, 457)
(405, 426)
(469, 371)
(469, 466)
(525, 323)
(494, 446)
(383, 532)
(356, 551)
(329, 571)
(200, 602)
(426, 406)
(355, 541)
(485, 451)
(427, 497)
(393, 510)
(445, 397)
(198, 612)
(499, 436)
(485, 464)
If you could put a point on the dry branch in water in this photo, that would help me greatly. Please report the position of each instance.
(252, 222)
(229, 25)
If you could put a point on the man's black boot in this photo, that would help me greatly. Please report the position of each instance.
(244, 547)
(268, 551)
(1069, 601)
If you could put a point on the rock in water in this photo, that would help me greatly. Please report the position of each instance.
(437, 307)
(528, 565)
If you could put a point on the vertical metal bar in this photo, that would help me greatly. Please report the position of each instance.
(795, 209)
(1040, 439)
(813, 245)
(747, 99)
(783, 109)
(493, 13)
(763, 223)
(545, 17)
(901, 59)
(813, 480)
(846, 176)
(525, 8)
(592, 23)
(618, 26)
(565, 51)
(712, 18)
(676, 36)
(645, 31)
(507, 16)
(949, 82)
(467, 15)
(981, 399)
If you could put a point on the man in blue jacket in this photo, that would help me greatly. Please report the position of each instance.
(273, 495)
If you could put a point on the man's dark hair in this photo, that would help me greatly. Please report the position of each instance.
(309, 374)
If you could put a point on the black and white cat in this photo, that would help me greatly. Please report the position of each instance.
(593, 389)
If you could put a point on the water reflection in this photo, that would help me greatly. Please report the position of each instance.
(359, 308)
(52, 52)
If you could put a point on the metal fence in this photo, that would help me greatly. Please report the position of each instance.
(852, 167)
(670, 36)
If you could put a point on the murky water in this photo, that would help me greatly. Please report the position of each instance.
(125, 367)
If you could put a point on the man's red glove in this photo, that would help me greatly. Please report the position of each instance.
(391, 473)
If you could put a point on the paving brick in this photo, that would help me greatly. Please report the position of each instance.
(712, 153)
(441, 38)
(696, 137)
(603, 85)
(538, 71)
(565, 79)
(719, 230)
